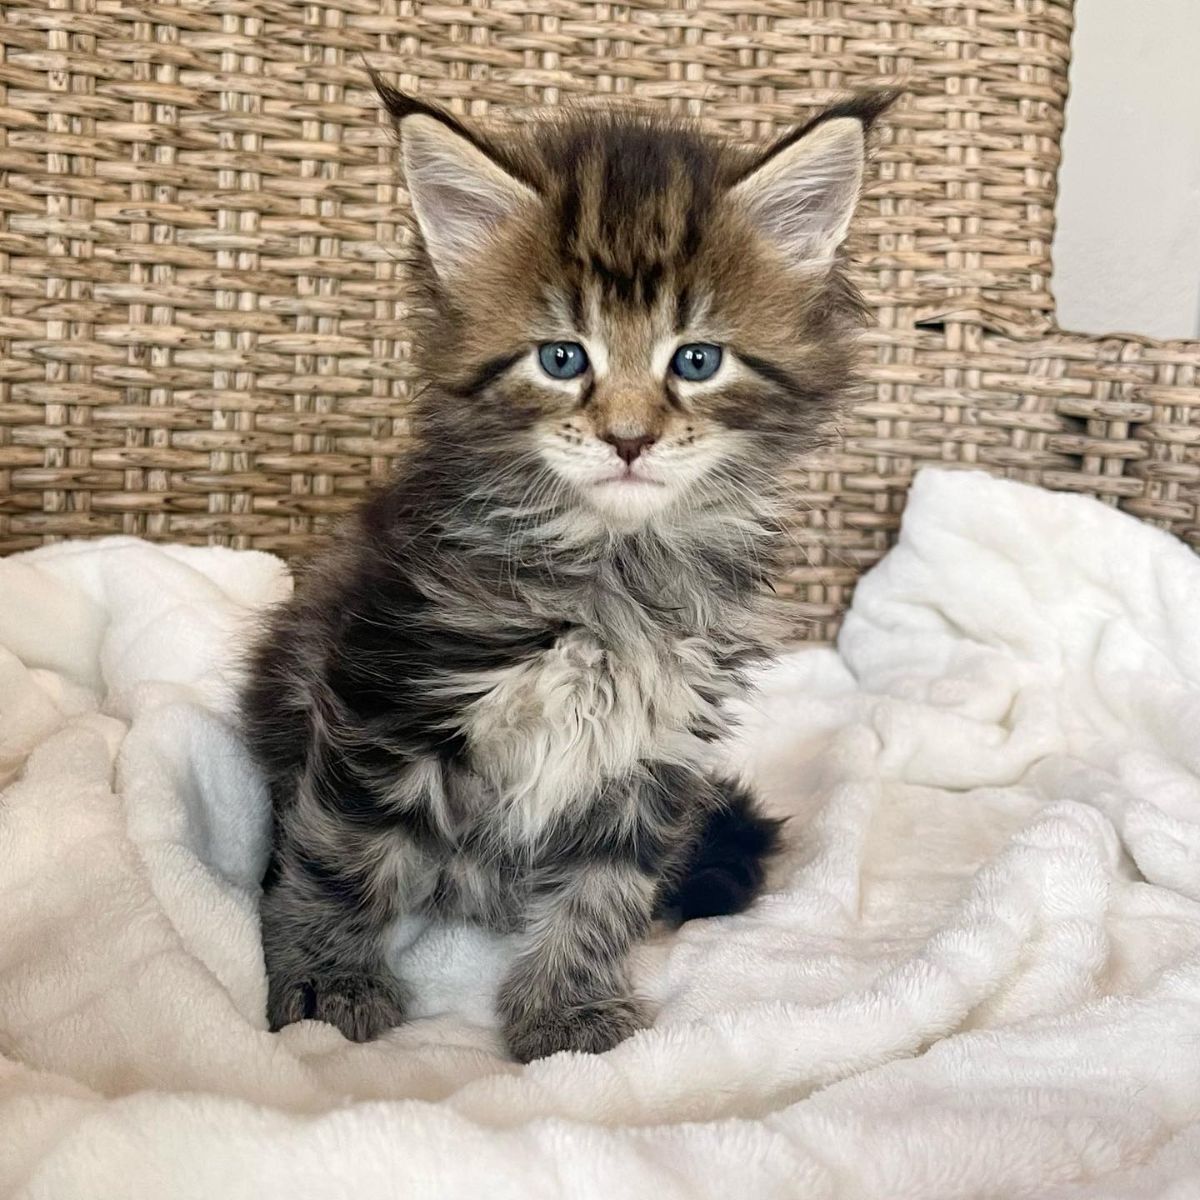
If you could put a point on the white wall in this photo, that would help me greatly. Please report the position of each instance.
(1127, 247)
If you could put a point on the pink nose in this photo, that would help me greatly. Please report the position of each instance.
(629, 448)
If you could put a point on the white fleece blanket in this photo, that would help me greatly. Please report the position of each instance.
(978, 972)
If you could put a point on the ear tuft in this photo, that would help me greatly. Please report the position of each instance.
(398, 105)
(460, 194)
(801, 196)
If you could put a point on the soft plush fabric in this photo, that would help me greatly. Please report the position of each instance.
(977, 973)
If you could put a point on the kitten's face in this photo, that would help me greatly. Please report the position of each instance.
(633, 317)
(632, 393)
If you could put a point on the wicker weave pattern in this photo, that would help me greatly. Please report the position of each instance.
(202, 246)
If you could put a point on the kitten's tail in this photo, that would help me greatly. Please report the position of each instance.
(727, 867)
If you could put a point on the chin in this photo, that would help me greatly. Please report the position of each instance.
(629, 503)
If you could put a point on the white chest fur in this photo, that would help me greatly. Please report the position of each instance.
(549, 729)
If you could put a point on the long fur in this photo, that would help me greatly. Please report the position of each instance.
(493, 699)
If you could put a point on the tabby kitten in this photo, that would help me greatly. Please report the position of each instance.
(494, 697)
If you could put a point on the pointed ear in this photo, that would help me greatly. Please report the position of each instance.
(460, 194)
(802, 195)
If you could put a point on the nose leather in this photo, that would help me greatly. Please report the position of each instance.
(629, 448)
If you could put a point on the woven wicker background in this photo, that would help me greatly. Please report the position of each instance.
(202, 249)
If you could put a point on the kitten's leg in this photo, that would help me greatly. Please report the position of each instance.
(323, 940)
(334, 889)
(568, 989)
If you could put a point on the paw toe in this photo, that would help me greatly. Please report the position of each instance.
(362, 1007)
(590, 1028)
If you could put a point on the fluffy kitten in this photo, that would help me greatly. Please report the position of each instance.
(493, 697)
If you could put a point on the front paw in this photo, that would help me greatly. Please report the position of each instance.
(591, 1027)
(361, 1006)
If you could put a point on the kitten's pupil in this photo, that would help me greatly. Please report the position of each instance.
(696, 361)
(563, 360)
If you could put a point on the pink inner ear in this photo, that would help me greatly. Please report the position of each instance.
(467, 206)
(803, 197)
(460, 195)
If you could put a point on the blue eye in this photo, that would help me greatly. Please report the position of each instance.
(696, 361)
(563, 360)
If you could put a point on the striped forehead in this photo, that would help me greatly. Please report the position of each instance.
(632, 203)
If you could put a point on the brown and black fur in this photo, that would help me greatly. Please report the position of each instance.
(376, 701)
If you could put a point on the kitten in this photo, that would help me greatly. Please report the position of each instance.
(494, 696)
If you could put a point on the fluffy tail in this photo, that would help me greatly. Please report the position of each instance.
(727, 866)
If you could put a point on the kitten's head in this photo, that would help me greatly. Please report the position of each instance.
(628, 314)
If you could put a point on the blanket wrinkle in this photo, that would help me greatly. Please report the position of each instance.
(977, 970)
